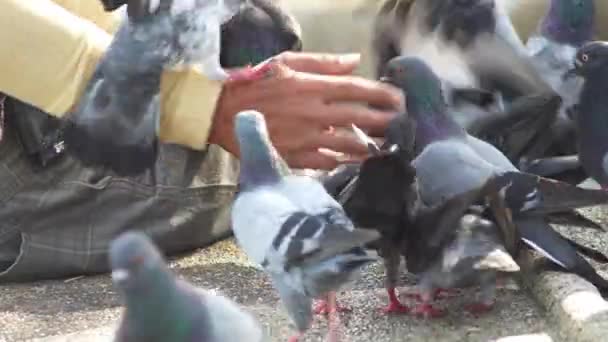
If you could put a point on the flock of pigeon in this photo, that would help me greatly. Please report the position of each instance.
(494, 143)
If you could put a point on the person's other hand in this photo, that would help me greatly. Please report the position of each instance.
(304, 99)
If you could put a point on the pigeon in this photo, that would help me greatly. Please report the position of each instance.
(293, 228)
(450, 246)
(159, 307)
(116, 122)
(379, 194)
(591, 65)
(260, 30)
(441, 144)
(565, 27)
(481, 61)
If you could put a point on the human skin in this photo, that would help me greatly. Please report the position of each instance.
(304, 99)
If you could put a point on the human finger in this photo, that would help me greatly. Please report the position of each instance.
(320, 63)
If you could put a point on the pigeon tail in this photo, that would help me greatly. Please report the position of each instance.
(333, 273)
(498, 260)
(539, 235)
(260, 162)
(537, 195)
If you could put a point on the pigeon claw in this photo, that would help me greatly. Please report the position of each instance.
(394, 305)
(295, 337)
(427, 310)
(395, 308)
(478, 308)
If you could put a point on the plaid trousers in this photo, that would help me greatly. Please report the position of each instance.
(57, 221)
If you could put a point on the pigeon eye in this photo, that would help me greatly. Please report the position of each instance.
(585, 57)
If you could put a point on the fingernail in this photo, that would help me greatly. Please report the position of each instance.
(350, 58)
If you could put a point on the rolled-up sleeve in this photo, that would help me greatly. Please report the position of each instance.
(49, 50)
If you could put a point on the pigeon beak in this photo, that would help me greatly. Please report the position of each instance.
(386, 79)
(119, 276)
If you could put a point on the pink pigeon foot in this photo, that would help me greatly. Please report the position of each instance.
(426, 310)
(249, 73)
(295, 338)
(334, 332)
(394, 305)
(478, 309)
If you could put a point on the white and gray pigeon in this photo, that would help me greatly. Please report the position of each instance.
(116, 122)
(160, 307)
(487, 78)
(564, 28)
(449, 245)
(293, 228)
(441, 145)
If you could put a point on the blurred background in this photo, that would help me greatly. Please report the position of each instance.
(345, 25)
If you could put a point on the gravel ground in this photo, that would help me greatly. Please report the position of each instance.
(87, 308)
(51, 308)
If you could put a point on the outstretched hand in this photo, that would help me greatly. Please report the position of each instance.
(307, 96)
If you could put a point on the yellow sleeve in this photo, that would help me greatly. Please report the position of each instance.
(47, 55)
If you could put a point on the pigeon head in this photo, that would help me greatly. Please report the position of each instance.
(590, 59)
(569, 21)
(462, 20)
(260, 162)
(257, 32)
(421, 86)
(136, 263)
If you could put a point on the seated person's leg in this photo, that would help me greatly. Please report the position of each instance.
(57, 221)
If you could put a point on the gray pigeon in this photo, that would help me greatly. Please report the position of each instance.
(481, 60)
(116, 122)
(591, 64)
(260, 30)
(159, 307)
(441, 144)
(566, 26)
(293, 228)
(450, 246)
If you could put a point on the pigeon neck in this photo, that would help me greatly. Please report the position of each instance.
(259, 162)
(564, 26)
(432, 121)
(593, 115)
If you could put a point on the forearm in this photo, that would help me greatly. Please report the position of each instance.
(48, 55)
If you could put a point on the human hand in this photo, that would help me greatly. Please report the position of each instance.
(307, 97)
